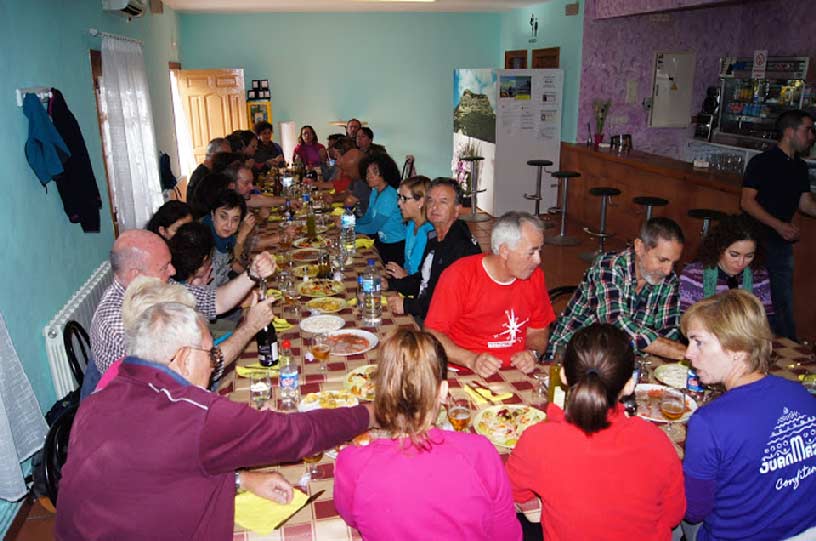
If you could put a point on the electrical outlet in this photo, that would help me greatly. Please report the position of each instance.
(631, 91)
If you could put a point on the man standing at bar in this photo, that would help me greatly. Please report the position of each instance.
(775, 185)
(634, 290)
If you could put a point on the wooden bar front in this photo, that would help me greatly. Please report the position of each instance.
(640, 174)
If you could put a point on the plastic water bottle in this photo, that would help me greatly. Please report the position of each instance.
(289, 380)
(372, 296)
(347, 234)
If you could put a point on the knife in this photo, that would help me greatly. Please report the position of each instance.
(309, 500)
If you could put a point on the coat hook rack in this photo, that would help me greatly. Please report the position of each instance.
(42, 92)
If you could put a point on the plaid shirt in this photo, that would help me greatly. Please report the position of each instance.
(608, 294)
(108, 332)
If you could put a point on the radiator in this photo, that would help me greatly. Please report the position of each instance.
(79, 308)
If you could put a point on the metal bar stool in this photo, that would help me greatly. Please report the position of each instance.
(562, 239)
(650, 203)
(602, 234)
(474, 190)
(540, 164)
(707, 215)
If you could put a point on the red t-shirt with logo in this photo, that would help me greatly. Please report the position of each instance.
(485, 316)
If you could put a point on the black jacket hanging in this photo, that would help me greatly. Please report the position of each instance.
(76, 184)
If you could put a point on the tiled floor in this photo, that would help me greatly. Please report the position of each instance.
(562, 266)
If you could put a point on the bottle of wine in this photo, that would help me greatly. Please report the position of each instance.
(556, 394)
(267, 338)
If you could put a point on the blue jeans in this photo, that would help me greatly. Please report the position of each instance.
(779, 262)
(90, 379)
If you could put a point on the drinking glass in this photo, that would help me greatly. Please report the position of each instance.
(540, 390)
(260, 389)
(460, 411)
(321, 349)
(673, 406)
(311, 465)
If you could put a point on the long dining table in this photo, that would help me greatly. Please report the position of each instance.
(320, 520)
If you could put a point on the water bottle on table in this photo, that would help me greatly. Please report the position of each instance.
(348, 222)
(372, 296)
(289, 379)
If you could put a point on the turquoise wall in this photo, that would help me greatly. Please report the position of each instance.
(393, 70)
(46, 258)
(554, 30)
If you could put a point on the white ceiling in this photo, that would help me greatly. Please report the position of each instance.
(235, 6)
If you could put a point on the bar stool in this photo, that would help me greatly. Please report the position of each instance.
(474, 190)
(707, 215)
(562, 239)
(540, 164)
(605, 194)
(650, 203)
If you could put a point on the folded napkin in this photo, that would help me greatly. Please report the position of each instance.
(332, 192)
(281, 324)
(487, 393)
(274, 218)
(478, 400)
(353, 301)
(337, 205)
(261, 515)
(338, 211)
(254, 369)
(364, 243)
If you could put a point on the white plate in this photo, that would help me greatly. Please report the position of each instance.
(327, 400)
(506, 433)
(360, 381)
(322, 324)
(673, 375)
(650, 409)
(338, 336)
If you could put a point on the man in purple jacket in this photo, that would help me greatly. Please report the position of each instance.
(154, 455)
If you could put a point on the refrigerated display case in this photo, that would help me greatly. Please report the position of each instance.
(749, 107)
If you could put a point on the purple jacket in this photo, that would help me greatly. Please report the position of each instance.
(152, 456)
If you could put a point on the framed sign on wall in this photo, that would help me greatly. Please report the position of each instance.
(259, 110)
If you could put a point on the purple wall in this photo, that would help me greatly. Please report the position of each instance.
(617, 50)
(605, 9)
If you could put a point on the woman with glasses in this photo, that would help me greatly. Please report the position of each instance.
(729, 258)
(411, 202)
(382, 218)
(421, 482)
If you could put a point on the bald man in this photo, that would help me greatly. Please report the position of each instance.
(139, 252)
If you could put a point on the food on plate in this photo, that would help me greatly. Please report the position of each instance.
(348, 344)
(648, 399)
(673, 375)
(320, 288)
(305, 254)
(306, 242)
(322, 323)
(327, 400)
(360, 381)
(305, 270)
(328, 305)
(503, 425)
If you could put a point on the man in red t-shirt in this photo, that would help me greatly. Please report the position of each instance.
(493, 310)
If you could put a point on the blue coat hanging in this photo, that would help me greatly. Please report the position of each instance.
(45, 150)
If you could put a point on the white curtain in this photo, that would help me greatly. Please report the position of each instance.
(133, 164)
(184, 141)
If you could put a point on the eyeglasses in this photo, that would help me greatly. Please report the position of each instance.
(404, 198)
(215, 354)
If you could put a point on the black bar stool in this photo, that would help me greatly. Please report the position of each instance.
(540, 164)
(474, 191)
(562, 239)
(706, 215)
(602, 234)
(650, 203)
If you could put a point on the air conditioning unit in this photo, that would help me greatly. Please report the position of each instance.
(126, 8)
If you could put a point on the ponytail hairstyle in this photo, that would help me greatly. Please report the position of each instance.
(411, 368)
(598, 362)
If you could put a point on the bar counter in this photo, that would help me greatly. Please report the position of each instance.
(640, 174)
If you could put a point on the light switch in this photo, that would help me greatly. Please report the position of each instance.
(631, 91)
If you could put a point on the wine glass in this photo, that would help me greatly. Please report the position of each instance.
(673, 407)
(460, 410)
(540, 391)
(320, 349)
(311, 465)
(260, 388)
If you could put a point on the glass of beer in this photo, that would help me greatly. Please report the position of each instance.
(324, 269)
(260, 389)
(673, 406)
(311, 464)
(460, 410)
(321, 349)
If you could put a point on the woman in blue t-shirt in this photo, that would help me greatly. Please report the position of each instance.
(750, 463)
(411, 202)
(383, 217)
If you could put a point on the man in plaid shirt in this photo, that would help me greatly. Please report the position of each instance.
(634, 290)
(142, 253)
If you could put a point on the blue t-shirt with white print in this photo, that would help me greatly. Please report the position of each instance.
(758, 443)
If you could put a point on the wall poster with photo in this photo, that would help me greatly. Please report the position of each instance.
(259, 110)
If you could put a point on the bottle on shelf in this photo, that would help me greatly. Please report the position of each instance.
(289, 379)
(348, 222)
(267, 338)
(372, 296)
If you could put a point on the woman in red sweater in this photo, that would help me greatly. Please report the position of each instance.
(599, 473)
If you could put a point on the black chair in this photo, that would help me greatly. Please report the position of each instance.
(74, 333)
(560, 293)
(55, 451)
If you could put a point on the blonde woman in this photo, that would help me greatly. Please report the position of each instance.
(423, 482)
(750, 463)
(411, 202)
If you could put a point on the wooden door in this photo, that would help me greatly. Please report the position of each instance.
(214, 102)
(515, 60)
(102, 122)
(546, 58)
